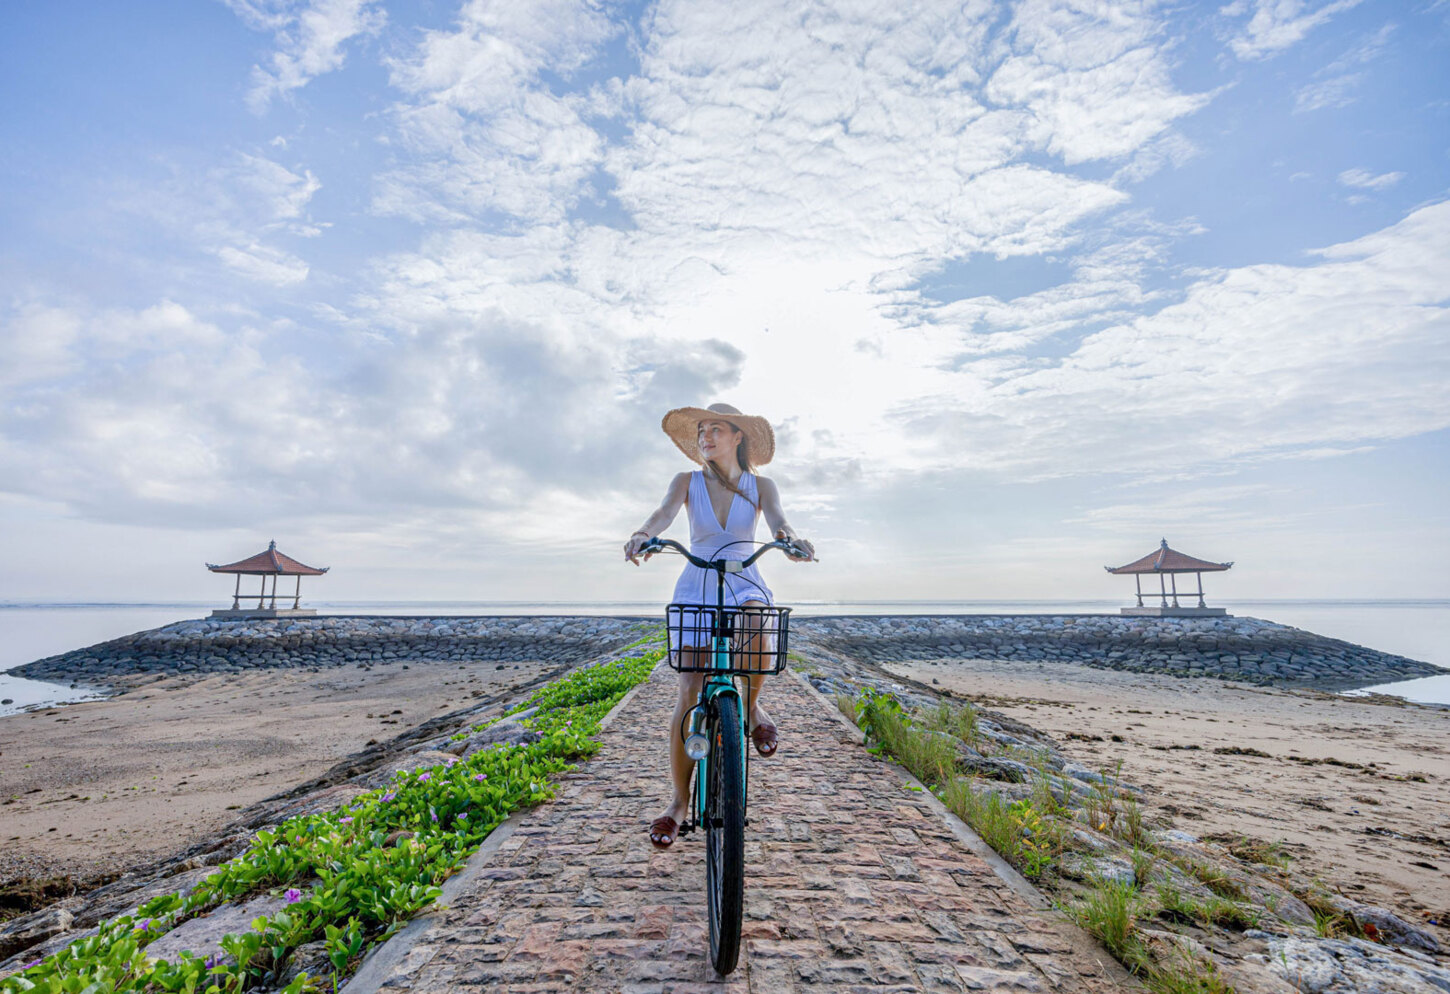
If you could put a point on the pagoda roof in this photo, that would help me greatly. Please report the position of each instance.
(267, 563)
(1166, 560)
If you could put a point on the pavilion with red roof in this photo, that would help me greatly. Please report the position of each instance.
(1169, 563)
(267, 563)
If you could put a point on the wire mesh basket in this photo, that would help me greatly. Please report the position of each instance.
(758, 638)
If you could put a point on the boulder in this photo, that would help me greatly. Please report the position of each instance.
(508, 732)
(28, 930)
(203, 936)
(1349, 966)
(1386, 926)
(1113, 869)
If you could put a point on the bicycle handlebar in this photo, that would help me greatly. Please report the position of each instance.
(660, 544)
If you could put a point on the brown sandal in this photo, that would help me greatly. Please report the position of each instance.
(766, 738)
(663, 831)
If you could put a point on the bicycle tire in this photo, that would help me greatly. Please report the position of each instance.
(725, 834)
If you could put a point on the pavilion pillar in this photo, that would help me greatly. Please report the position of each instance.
(274, 591)
(1200, 590)
(297, 594)
(1173, 578)
(1138, 582)
(1162, 589)
(262, 594)
(237, 594)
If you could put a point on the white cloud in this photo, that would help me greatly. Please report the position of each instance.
(1363, 179)
(1277, 24)
(1336, 83)
(310, 36)
(479, 133)
(264, 264)
(1252, 360)
(1093, 79)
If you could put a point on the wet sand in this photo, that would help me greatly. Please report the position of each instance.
(1378, 830)
(102, 786)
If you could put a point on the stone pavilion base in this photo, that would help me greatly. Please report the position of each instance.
(1176, 612)
(266, 612)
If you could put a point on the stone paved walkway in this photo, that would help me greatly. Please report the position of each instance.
(855, 884)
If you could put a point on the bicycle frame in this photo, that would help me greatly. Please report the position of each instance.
(719, 680)
(720, 683)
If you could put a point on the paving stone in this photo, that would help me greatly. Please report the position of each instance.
(853, 884)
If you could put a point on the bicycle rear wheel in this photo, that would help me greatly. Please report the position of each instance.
(725, 833)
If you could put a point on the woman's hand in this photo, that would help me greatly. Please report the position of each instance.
(786, 535)
(633, 546)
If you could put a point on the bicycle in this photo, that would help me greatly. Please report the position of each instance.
(717, 729)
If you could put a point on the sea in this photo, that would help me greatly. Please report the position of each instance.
(1419, 629)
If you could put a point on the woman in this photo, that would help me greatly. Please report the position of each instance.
(725, 500)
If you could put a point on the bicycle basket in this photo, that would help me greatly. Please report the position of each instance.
(758, 638)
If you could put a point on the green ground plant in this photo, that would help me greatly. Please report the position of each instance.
(1186, 974)
(1110, 910)
(930, 756)
(1214, 878)
(960, 721)
(367, 868)
(1020, 832)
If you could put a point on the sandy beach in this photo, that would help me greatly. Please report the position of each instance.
(98, 787)
(1356, 790)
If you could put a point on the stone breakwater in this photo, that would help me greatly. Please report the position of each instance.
(199, 647)
(1244, 649)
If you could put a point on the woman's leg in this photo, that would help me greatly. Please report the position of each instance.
(754, 649)
(680, 764)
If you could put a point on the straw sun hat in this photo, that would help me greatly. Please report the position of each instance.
(683, 426)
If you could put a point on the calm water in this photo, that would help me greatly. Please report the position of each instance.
(1418, 629)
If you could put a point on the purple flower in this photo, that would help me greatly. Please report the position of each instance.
(463, 816)
(143, 925)
(212, 962)
(480, 777)
(434, 815)
(345, 821)
(424, 777)
(37, 962)
(388, 796)
(293, 895)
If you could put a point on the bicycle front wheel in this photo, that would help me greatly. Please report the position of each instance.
(725, 833)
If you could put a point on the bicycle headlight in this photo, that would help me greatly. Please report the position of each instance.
(696, 746)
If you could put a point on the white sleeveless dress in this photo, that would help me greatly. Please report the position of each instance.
(709, 541)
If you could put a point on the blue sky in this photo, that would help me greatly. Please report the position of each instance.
(1023, 286)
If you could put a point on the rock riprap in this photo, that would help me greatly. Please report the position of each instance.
(1244, 649)
(197, 647)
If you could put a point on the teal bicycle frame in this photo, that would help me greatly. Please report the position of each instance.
(718, 683)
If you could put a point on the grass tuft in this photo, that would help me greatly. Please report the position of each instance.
(1109, 910)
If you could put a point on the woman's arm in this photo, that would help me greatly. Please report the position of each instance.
(775, 517)
(662, 517)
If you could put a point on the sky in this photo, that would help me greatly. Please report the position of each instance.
(1023, 287)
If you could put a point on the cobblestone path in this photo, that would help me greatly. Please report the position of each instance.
(854, 883)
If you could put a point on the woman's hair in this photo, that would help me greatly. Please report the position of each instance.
(742, 457)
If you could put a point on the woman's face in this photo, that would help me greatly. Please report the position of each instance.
(718, 440)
